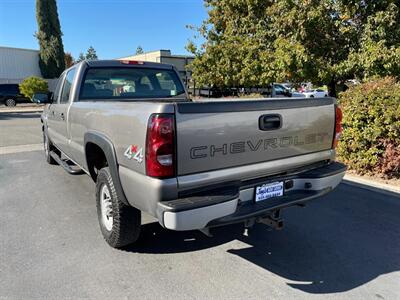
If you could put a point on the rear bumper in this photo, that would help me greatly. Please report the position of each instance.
(235, 203)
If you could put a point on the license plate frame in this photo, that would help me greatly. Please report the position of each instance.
(268, 190)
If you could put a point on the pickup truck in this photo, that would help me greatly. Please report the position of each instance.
(192, 165)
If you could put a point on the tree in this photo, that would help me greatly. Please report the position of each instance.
(69, 60)
(81, 57)
(91, 54)
(139, 50)
(235, 51)
(255, 42)
(32, 85)
(51, 54)
(379, 43)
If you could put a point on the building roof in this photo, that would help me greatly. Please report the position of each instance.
(15, 48)
(162, 52)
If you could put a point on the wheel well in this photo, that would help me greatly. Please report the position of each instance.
(95, 158)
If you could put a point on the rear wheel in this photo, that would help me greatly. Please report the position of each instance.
(119, 223)
(10, 102)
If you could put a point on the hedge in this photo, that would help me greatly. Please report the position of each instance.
(370, 142)
(32, 85)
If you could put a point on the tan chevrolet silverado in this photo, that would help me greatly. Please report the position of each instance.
(192, 165)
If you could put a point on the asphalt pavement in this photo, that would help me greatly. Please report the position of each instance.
(20, 129)
(345, 245)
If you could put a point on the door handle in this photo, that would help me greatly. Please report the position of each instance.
(62, 116)
(270, 122)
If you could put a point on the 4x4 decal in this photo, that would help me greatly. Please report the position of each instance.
(132, 152)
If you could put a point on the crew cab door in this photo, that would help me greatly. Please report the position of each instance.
(58, 113)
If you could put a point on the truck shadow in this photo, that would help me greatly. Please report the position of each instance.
(336, 244)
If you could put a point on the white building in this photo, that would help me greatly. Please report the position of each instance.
(16, 64)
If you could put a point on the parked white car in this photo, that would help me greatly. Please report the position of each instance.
(284, 90)
(317, 93)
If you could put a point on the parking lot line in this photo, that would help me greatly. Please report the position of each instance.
(20, 148)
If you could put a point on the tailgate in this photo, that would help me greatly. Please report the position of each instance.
(217, 135)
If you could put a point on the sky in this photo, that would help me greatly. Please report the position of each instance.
(113, 28)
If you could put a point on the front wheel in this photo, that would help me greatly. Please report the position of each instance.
(119, 223)
(10, 102)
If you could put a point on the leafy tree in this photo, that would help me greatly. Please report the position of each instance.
(378, 53)
(255, 42)
(91, 54)
(236, 50)
(69, 60)
(51, 55)
(32, 85)
(81, 57)
(139, 50)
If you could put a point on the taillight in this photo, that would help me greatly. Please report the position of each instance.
(160, 147)
(338, 126)
(132, 62)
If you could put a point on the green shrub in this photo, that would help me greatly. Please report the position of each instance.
(32, 85)
(370, 141)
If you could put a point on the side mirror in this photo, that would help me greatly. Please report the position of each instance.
(42, 98)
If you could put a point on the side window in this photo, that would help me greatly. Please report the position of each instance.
(56, 94)
(145, 84)
(166, 82)
(66, 90)
(279, 90)
(14, 89)
(7, 88)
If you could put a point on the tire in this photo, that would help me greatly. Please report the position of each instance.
(48, 146)
(10, 102)
(312, 96)
(119, 223)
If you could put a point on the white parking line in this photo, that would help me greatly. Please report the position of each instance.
(21, 110)
(20, 148)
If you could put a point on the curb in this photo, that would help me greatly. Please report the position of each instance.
(371, 184)
(22, 110)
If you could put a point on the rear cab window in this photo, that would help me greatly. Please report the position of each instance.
(122, 83)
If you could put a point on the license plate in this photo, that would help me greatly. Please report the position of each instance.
(269, 190)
